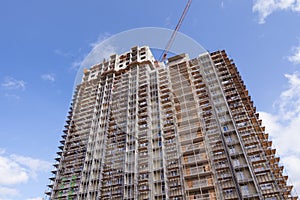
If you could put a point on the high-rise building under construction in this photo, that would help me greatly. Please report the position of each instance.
(184, 129)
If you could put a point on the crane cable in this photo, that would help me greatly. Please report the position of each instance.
(171, 40)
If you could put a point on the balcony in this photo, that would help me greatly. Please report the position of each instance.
(195, 184)
(221, 165)
(219, 155)
(230, 194)
(261, 168)
(217, 147)
(198, 158)
(142, 121)
(264, 178)
(227, 184)
(192, 147)
(201, 170)
(253, 149)
(176, 193)
(208, 196)
(256, 159)
(185, 137)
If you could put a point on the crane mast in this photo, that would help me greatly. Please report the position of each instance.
(171, 40)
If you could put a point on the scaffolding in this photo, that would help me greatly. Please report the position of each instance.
(187, 129)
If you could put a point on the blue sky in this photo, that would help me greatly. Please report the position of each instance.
(42, 44)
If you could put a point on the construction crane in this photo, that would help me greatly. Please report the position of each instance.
(171, 40)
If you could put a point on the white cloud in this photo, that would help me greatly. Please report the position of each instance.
(12, 96)
(76, 64)
(105, 52)
(2, 151)
(11, 172)
(168, 20)
(283, 126)
(289, 101)
(100, 39)
(48, 77)
(62, 53)
(295, 58)
(292, 164)
(264, 8)
(6, 192)
(32, 165)
(12, 84)
(17, 169)
(222, 4)
(97, 54)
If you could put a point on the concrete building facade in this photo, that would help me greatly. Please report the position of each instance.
(184, 129)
